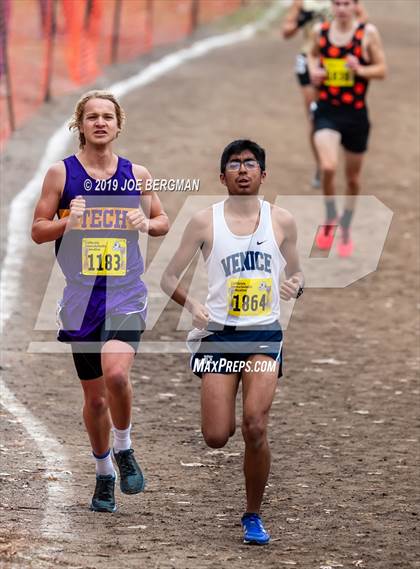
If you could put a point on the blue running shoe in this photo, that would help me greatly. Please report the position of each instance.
(131, 477)
(254, 530)
(103, 498)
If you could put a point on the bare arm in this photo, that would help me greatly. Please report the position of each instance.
(294, 275)
(377, 68)
(44, 227)
(192, 240)
(151, 218)
(316, 72)
(290, 23)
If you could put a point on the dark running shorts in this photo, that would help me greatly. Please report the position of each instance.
(124, 327)
(301, 70)
(352, 124)
(226, 350)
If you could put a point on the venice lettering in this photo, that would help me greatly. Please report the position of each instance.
(249, 261)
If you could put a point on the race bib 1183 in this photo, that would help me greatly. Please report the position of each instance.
(104, 256)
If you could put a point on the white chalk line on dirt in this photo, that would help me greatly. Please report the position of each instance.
(55, 520)
(54, 523)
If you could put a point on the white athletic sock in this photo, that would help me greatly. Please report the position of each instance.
(122, 440)
(104, 465)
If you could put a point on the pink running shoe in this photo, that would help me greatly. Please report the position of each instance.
(345, 245)
(325, 236)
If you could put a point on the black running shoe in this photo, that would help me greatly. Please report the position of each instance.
(103, 499)
(131, 477)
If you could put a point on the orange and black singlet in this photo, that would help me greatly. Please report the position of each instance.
(342, 88)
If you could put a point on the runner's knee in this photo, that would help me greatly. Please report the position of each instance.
(116, 379)
(96, 404)
(254, 430)
(353, 182)
(328, 167)
(215, 439)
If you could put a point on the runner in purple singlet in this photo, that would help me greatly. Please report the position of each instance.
(101, 204)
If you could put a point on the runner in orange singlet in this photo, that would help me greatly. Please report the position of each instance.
(302, 16)
(345, 55)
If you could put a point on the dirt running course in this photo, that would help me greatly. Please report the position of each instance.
(344, 427)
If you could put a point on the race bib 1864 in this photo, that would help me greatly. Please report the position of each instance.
(249, 297)
(104, 256)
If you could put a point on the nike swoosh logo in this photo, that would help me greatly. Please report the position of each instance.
(260, 242)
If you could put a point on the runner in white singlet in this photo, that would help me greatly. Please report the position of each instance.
(246, 244)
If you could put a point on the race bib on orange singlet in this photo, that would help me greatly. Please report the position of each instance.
(249, 297)
(338, 74)
(104, 256)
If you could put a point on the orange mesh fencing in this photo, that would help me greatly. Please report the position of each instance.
(50, 47)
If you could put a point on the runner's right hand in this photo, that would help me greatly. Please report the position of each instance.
(77, 209)
(317, 76)
(200, 316)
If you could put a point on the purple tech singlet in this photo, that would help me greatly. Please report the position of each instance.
(101, 259)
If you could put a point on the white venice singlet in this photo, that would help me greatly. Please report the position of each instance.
(244, 272)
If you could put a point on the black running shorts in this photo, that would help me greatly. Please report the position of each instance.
(352, 124)
(123, 327)
(227, 348)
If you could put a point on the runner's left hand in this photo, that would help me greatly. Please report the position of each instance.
(289, 288)
(352, 62)
(138, 220)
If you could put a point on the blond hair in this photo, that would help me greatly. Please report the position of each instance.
(77, 117)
